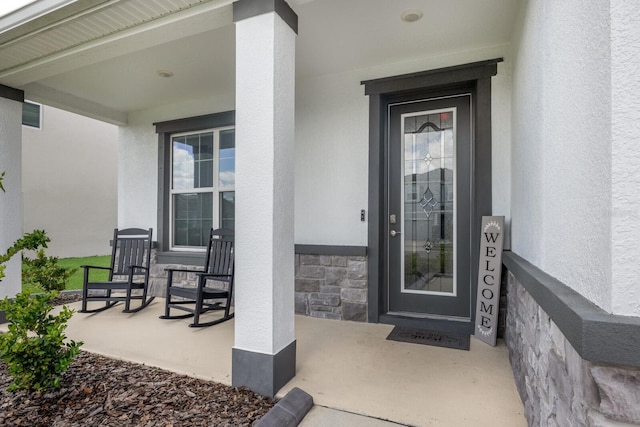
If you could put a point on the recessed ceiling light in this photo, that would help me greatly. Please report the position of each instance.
(412, 15)
(163, 73)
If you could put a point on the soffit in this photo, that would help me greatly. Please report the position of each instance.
(100, 57)
(101, 19)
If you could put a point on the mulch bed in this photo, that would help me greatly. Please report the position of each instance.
(99, 391)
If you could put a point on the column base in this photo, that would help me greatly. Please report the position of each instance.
(265, 374)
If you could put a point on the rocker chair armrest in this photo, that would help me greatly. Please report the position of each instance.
(212, 275)
(95, 266)
(206, 276)
(183, 270)
(139, 266)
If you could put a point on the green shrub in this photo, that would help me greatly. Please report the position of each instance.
(34, 347)
(45, 273)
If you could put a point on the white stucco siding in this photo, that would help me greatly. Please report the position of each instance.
(332, 147)
(561, 145)
(138, 177)
(70, 182)
(625, 157)
(264, 184)
(332, 163)
(11, 200)
(527, 157)
(138, 158)
(501, 145)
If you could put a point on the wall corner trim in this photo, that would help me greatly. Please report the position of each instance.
(596, 335)
(244, 9)
(11, 93)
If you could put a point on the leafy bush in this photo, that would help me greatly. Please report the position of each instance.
(34, 347)
(31, 241)
(45, 272)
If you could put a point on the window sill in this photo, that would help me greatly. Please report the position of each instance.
(183, 258)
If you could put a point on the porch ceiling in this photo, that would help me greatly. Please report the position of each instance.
(101, 57)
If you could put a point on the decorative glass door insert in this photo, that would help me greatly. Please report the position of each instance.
(428, 202)
(429, 208)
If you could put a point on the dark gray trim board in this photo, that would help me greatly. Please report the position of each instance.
(197, 258)
(181, 258)
(474, 78)
(243, 9)
(164, 131)
(11, 93)
(432, 78)
(265, 374)
(331, 250)
(597, 336)
(192, 124)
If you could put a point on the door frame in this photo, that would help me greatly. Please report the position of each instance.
(474, 78)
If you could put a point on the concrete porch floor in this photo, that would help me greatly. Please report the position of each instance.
(348, 367)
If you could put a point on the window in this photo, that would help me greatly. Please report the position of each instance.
(202, 185)
(196, 184)
(31, 115)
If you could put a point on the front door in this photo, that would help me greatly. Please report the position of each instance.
(429, 209)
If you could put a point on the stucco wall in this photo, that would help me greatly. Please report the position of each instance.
(331, 149)
(11, 200)
(561, 148)
(625, 157)
(69, 177)
(138, 158)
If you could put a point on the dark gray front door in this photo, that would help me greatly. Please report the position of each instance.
(429, 211)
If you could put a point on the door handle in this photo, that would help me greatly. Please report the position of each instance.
(394, 233)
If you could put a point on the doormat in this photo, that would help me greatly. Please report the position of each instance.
(435, 338)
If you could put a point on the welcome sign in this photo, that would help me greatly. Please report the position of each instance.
(489, 275)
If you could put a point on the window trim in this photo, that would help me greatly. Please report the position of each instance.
(216, 189)
(40, 113)
(165, 130)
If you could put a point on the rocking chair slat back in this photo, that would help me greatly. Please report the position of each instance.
(131, 247)
(220, 255)
(128, 272)
(207, 294)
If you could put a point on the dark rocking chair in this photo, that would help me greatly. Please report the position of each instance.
(199, 299)
(128, 272)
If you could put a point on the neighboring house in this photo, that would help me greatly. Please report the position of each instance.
(295, 124)
(69, 180)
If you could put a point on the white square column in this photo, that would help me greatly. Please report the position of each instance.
(11, 201)
(264, 353)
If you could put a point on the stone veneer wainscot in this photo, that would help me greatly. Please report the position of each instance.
(557, 386)
(331, 286)
(327, 286)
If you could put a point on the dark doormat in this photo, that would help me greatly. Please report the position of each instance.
(436, 338)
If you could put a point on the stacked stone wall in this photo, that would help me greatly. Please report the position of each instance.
(331, 286)
(557, 386)
(327, 286)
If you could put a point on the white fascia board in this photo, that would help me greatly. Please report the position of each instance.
(195, 20)
(30, 12)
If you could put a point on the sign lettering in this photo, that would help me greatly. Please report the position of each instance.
(489, 272)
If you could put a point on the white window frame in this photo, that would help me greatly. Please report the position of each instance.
(217, 190)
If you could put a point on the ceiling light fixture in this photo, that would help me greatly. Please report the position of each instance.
(163, 73)
(411, 15)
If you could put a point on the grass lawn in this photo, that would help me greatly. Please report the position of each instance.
(75, 281)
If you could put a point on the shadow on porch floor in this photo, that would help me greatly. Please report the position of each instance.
(344, 365)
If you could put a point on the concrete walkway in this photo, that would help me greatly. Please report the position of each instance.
(355, 376)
